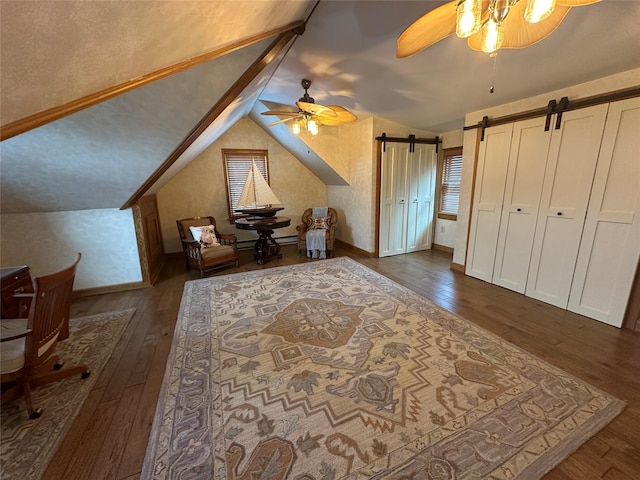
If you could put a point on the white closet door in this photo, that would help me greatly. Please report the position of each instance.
(565, 195)
(491, 174)
(393, 204)
(420, 195)
(527, 161)
(610, 245)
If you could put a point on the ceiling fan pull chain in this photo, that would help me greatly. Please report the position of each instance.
(493, 71)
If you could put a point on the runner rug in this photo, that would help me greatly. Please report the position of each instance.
(328, 370)
(27, 446)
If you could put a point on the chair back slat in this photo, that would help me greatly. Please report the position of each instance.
(49, 312)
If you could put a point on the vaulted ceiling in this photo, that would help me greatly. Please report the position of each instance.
(96, 96)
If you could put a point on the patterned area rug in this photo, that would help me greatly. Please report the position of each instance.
(328, 370)
(27, 445)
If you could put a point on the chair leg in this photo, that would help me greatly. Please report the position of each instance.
(54, 376)
(33, 414)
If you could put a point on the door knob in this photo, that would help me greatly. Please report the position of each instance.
(559, 213)
(518, 209)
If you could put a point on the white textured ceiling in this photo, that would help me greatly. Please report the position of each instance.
(348, 51)
(54, 52)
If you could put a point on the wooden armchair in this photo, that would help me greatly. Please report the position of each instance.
(221, 253)
(330, 235)
(28, 344)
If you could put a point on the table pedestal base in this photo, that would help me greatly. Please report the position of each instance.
(265, 247)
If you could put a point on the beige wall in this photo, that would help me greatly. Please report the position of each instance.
(354, 201)
(49, 241)
(603, 85)
(199, 189)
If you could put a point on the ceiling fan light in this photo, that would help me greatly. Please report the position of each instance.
(538, 10)
(468, 17)
(492, 36)
(295, 128)
(499, 9)
(312, 126)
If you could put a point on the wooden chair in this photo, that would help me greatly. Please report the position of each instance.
(207, 259)
(28, 344)
(329, 236)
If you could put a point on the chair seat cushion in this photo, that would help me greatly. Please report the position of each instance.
(12, 352)
(212, 253)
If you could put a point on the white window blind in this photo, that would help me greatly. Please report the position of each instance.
(450, 182)
(236, 166)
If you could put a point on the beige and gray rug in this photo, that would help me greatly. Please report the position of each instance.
(328, 370)
(27, 445)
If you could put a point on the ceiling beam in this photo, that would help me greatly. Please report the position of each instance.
(46, 116)
(270, 54)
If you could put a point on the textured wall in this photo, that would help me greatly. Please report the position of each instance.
(199, 189)
(354, 202)
(76, 48)
(47, 242)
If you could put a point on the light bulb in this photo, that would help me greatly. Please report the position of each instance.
(492, 36)
(295, 128)
(538, 10)
(468, 19)
(312, 126)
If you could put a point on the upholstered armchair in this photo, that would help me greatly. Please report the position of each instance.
(204, 246)
(329, 223)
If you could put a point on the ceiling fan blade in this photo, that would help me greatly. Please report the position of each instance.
(518, 33)
(277, 122)
(575, 3)
(343, 116)
(282, 113)
(315, 109)
(432, 27)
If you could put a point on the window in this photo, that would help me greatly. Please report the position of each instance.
(236, 168)
(450, 175)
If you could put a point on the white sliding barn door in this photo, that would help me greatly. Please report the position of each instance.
(610, 246)
(487, 201)
(565, 195)
(393, 200)
(527, 161)
(407, 190)
(421, 187)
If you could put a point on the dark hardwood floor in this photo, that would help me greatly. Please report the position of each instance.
(109, 437)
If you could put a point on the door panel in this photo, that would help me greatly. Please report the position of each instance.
(610, 246)
(487, 202)
(398, 234)
(525, 174)
(420, 195)
(565, 195)
(386, 199)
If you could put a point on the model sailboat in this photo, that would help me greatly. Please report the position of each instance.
(256, 197)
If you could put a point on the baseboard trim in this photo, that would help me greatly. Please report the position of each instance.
(442, 248)
(457, 267)
(353, 249)
(122, 287)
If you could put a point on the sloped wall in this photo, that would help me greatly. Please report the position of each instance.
(199, 189)
(48, 242)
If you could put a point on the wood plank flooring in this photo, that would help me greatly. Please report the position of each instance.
(109, 437)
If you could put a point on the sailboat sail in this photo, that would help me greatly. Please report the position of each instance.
(256, 192)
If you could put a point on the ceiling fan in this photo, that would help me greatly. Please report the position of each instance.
(488, 25)
(311, 114)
